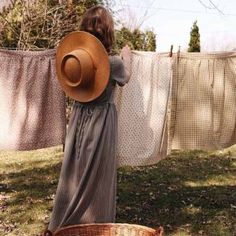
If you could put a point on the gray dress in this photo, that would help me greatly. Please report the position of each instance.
(86, 191)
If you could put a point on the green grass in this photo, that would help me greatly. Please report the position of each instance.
(188, 193)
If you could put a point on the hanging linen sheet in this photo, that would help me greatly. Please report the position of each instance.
(142, 110)
(203, 106)
(32, 104)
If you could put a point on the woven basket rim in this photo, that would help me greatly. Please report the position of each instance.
(152, 230)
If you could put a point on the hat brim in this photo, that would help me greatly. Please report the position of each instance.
(88, 42)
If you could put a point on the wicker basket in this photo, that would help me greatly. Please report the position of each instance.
(110, 229)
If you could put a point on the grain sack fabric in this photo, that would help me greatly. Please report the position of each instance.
(142, 110)
(32, 104)
(203, 106)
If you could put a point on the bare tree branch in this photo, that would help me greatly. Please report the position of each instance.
(213, 4)
(203, 4)
(133, 21)
(146, 16)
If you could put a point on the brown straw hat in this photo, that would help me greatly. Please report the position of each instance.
(82, 66)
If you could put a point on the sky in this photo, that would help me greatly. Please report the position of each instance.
(171, 20)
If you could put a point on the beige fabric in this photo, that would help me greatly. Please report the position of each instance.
(142, 110)
(32, 105)
(203, 106)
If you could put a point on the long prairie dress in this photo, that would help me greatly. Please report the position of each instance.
(86, 191)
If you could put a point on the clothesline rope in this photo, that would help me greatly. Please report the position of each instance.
(187, 101)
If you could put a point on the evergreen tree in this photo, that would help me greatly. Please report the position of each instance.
(123, 36)
(150, 42)
(194, 44)
(136, 39)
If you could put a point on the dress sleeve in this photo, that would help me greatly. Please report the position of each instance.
(118, 71)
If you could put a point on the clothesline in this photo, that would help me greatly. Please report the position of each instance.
(187, 101)
(18, 49)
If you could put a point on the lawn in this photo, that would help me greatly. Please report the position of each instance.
(188, 193)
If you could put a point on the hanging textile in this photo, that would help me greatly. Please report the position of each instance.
(32, 104)
(203, 106)
(142, 110)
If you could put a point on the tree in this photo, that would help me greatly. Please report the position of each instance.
(40, 24)
(194, 44)
(150, 41)
(136, 39)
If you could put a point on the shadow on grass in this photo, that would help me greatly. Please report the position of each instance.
(26, 198)
(198, 196)
(190, 191)
(35, 182)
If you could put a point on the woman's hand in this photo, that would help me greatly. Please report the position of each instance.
(126, 57)
(125, 52)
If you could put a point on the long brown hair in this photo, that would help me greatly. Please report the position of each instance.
(99, 22)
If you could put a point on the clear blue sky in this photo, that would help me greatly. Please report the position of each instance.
(172, 20)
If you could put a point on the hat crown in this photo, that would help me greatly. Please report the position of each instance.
(72, 70)
(78, 67)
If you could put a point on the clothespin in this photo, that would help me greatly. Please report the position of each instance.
(171, 51)
(178, 53)
(179, 50)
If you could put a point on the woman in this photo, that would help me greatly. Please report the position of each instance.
(86, 191)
